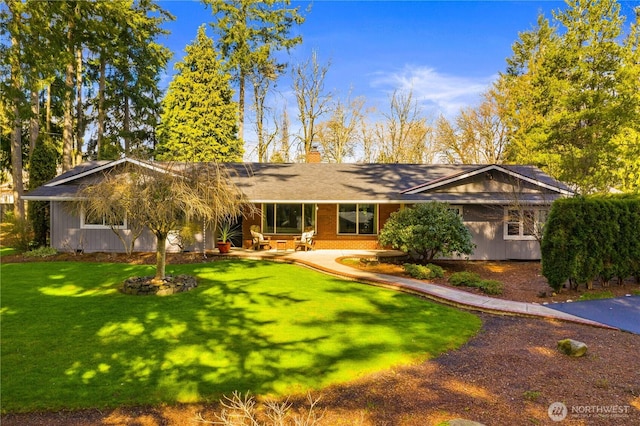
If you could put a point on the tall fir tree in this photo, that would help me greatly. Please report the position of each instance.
(198, 122)
(250, 32)
(568, 96)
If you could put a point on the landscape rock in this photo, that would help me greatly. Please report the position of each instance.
(144, 286)
(572, 347)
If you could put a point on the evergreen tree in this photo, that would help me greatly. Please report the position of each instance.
(198, 122)
(42, 168)
(251, 31)
(569, 96)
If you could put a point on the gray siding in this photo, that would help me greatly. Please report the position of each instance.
(487, 229)
(67, 236)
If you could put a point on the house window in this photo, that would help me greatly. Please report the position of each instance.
(93, 221)
(287, 218)
(524, 224)
(358, 219)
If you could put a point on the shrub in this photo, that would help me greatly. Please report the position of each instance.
(424, 272)
(586, 238)
(469, 279)
(472, 279)
(427, 230)
(491, 287)
(41, 252)
(19, 232)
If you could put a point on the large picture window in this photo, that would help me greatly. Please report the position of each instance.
(289, 219)
(358, 219)
(525, 223)
(92, 221)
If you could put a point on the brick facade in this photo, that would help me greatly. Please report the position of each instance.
(327, 236)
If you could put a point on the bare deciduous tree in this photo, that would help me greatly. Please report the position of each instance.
(404, 135)
(162, 198)
(338, 136)
(478, 136)
(313, 102)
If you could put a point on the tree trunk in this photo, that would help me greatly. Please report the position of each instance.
(161, 257)
(126, 125)
(67, 126)
(47, 124)
(101, 87)
(16, 166)
(16, 135)
(77, 158)
(241, 105)
(34, 121)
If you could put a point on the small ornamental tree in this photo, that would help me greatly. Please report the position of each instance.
(163, 198)
(426, 231)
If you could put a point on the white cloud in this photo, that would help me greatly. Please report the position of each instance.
(438, 93)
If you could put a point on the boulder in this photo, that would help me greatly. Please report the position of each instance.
(572, 347)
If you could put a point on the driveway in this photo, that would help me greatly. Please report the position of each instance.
(620, 312)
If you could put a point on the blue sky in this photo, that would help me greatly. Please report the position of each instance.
(446, 52)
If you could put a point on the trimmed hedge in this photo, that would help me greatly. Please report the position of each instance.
(589, 238)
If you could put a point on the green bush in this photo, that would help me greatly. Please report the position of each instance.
(492, 287)
(469, 279)
(424, 272)
(41, 252)
(427, 230)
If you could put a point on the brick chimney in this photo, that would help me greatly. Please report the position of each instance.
(314, 156)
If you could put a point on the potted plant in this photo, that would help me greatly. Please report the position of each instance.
(225, 233)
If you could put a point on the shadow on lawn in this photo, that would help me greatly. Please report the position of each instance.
(87, 345)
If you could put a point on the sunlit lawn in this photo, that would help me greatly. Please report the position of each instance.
(70, 339)
(6, 251)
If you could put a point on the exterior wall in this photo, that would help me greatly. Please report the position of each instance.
(68, 236)
(486, 224)
(327, 230)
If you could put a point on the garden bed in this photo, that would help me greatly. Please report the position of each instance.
(522, 280)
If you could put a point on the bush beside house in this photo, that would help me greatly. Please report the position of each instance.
(426, 231)
(589, 238)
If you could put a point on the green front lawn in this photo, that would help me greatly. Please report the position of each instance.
(71, 340)
(7, 251)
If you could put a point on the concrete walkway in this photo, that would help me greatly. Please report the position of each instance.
(325, 261)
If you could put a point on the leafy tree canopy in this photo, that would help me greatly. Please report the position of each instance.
(570, 98)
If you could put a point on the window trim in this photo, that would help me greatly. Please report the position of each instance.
(84, 225)
(376, 215)
(537, 213)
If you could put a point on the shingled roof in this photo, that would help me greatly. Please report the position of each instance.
(341, 183)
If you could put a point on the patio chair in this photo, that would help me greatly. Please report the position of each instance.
(259, 241)
(306, 241)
